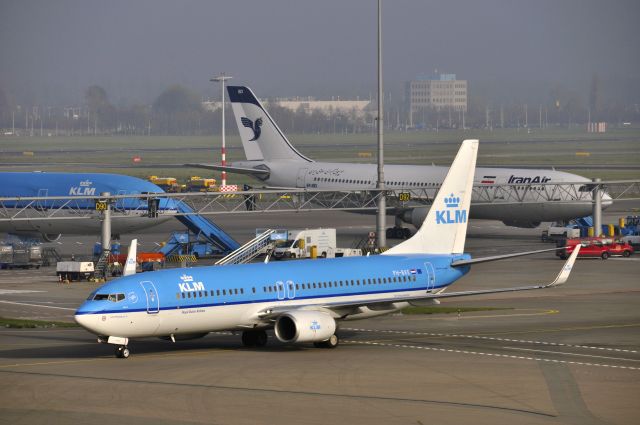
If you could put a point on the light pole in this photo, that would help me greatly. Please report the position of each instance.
(382, 204)
(222, 78)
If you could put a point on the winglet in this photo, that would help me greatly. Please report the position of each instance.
(566, 269)
(130, 264)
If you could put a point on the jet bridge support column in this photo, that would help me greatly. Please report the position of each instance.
(597, 208)
(106, 224)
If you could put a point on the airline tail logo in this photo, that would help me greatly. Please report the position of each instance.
(451, 214)
(255, 127)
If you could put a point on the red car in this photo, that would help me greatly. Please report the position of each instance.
(596, 247)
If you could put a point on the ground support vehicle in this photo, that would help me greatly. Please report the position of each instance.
(70, 271)
(20, 255)
(596, 248)
(311, 243)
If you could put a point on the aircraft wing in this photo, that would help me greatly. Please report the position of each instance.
(228, 169)
(272, 313)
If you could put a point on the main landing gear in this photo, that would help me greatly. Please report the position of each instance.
(254, 338)
(332, 342)
(398, 233)
(122, 352)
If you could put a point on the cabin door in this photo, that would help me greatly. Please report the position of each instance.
(430, 276)
(153, 301)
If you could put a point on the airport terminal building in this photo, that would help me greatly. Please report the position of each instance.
(435, 92)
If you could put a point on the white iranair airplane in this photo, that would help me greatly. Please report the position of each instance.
(272, 159)
(302, 301)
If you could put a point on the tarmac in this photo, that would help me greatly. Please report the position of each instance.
(567, 355)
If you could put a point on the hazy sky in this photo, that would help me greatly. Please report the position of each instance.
(51, 50)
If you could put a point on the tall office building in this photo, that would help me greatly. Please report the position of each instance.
(435, 92)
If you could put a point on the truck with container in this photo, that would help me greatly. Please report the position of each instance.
(75, 270)
(311, 243)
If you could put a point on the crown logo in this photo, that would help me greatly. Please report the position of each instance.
(85, 183)
(186, 278)
(452, 201)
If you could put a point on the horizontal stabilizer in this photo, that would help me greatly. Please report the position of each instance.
(500, 257)
(228, 169)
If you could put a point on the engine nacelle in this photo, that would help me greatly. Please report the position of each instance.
(304, 326)
(425, 303)
(522, 224)
(416, 216)
(49, 237)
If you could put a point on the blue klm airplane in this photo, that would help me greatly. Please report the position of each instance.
(301, 301)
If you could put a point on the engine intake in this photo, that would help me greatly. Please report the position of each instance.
(304, 326)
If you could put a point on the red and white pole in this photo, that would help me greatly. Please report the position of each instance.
(222, 78)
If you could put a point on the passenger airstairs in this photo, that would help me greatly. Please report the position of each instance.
(250, 250)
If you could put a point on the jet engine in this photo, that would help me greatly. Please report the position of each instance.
(49, 237)
(304, 326)
(415, 216)
(522, 224)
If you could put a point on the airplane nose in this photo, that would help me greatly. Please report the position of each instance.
(87, 321)
(606, 201)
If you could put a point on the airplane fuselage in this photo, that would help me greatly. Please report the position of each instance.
(206, 299)
(421, 180)
(129, 215)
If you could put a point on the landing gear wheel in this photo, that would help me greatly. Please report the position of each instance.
(332, 342)
(605, 255)
(122, 352)
(249, 338)
(261, 338)
(254, 338)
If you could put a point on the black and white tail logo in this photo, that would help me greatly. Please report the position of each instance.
(255, 127)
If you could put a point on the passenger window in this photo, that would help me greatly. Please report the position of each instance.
(297, 287)
(218, 292)
(254, 289)
(177, 295)
(183, 296)
(188, 294)
(224, 292)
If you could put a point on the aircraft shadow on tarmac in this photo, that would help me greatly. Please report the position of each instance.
(65, 347)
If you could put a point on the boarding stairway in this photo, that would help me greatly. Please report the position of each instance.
(250, 250)
(203, 229)
(100, 269)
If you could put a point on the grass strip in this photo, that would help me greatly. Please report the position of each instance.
(23, 324)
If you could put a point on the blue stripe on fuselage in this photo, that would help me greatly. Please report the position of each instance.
(171, 284)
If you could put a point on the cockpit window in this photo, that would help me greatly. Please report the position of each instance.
(586, 188)
(110, 297)
(91, 295)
